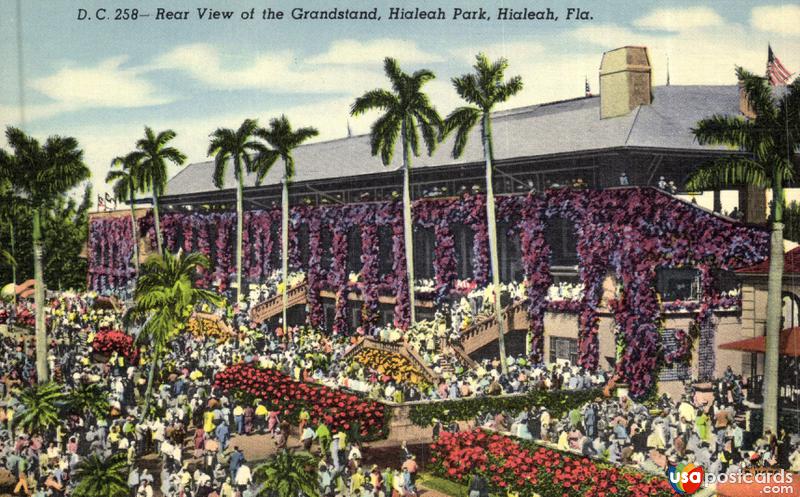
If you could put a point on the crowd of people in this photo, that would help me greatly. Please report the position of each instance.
(712, 430)
(189, 443)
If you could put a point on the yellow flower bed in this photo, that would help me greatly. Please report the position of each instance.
(395, 366)
(203, 327)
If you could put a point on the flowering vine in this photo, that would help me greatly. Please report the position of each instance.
(629, 233)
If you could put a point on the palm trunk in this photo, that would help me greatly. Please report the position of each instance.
(285, 250)
(134, 233)
(158, 224)
(492, 228)
(13, 266)
(239, 228)
(148, 393)
(774, 309)
(38, 298)
(408, 228)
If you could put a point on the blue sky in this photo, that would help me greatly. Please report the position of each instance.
(102, 81)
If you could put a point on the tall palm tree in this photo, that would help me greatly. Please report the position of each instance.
(240, 147)
(484, 89)
(165, 293)
(283, 140)
(407, 111)
(124, 188)
(288, 474)
(771, 139)
(39, 408)
(8, 216)
(41, 173)
(99, 476)
(152, 155)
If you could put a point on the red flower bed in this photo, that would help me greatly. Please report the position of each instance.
(508, 464)
(25, 317)
(108, 341)
(339, 410)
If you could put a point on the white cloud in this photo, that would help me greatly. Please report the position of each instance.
(781, 19)
(276, 71)
(372, 52)
(706, 56)
(680, 19)
(515, 51)
(107, 84)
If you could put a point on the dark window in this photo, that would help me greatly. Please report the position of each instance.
(329, 308)
(354, 250)
(465, 242)
(509, 253)
(560, 236)
(724, 281)
(354, 314)
(275, 236)
(387, 314)
(325, 245)
(386, 254)
(425, 314)
(678, 284)
(678, 370)
(423, 253)
(303, 245)
(564, 349)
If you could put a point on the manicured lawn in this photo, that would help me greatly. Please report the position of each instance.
(447, 487)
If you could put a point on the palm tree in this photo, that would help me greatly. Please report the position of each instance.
(99, 476)
(771, 140)
(165, 293)
(407, 112)
(39, 407)
(288, 474)
(240, 147)
(88, 398)
(8, 216)
(125, 187)
(152, 155)
(283, 140)
(484, 89)
(40, 174)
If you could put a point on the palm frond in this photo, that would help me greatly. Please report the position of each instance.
(729, 171)
(734, 131)
(462, 120)
(373, 99)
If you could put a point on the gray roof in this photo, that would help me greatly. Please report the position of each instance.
(539, 130)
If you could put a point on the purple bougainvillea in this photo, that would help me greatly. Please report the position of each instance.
(110, 248)
(629, 233)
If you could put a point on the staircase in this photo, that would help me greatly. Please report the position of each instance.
(485, 331)
(274, 305)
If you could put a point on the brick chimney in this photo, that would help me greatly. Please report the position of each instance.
(625, 81)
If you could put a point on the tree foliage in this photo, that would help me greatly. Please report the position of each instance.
(288, 474)
(39, 408)
(99, 476)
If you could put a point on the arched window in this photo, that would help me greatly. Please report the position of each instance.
(791, 310)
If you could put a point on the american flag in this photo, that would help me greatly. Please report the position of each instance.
(588, 89)
(777, 74)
